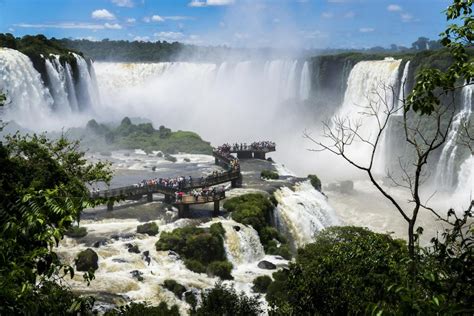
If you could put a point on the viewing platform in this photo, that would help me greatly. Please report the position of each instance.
(177, 191)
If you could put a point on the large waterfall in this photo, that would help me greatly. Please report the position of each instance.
(445, 173)
(36, 104)
(369, 94)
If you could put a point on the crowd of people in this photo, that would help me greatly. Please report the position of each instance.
(255, 146)
(206, 193)
(224, 151)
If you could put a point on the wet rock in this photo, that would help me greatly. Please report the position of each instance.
(146, 255)
(153, 168)
(347, 186)
(119, 260)
(137, 275)
(270, 159)
(267, 265)
(87, 260)
(237, 228)
(99, 243)
(122, 236)
(133, 248)
(171, 253)
(150, 229)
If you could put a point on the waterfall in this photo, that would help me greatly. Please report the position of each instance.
(445, 173)
(369, 83)
(403, 91)
(305, 82)
(242, 243)
(302, 212)
(71, 91)
(57, 85)
(28, 101)
(87, 98)
(290, 89)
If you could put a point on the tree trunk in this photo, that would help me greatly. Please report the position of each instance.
(411, 238)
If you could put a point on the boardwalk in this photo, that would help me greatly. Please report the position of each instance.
(222, 157)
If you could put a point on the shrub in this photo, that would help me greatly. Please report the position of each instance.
(170, 158)
(195, 266)
(223, 300)
(174, 287)
(148, 228)
(269, 174)
(191, 299)
(261, 283)
(315, 182)
(76, 232)
(221, 269)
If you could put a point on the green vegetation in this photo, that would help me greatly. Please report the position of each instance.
(42, 193)
(140, 136)
(269, 174)
(351, 270)
(315, 182)
(202, 248)
(150, 229)
(261, 283)
(76, 232)
(256, 210)
(174, 287)
(221, 269)
(143, 309)
(224, 300)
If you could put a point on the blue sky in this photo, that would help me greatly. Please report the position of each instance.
(254, 23)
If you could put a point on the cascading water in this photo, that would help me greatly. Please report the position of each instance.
(86, 92)
(445, 173)
(403, 91)
(302, 212)
(305, 82)
(57, 84)
(71, 91)
(370, 83)
(28, 101)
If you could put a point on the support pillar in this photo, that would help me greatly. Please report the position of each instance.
(183, 210)
(244, 154)
(216, 160)
(110, 206)
(149, 197)
(237, 183)
(259, 155)
(168, 199)
(216, 208)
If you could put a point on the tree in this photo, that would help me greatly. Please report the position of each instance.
(421, 44)
(43, 190)
(427, 116)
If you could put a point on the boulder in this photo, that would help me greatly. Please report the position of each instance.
(267, 265)
(150, 229)
(100, 243)
(87, 260)
(137, 275)
(133, 248)
(237, 228)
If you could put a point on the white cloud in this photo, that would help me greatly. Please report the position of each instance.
(89, 38)
(169, 36)
(204, 3)
(10, 29)
(157, 18)
(146, 19)
(366, 29)
(114, 26)
(124, 3)
(141, 38)
(338, 1)
(177, 17)
(131, 20)
(327, 15)
(394, 8)
(66, 25)
(102, 14)
(349, 14)
(406, 17)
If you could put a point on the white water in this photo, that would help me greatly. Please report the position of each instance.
(403, 91)
(369, 84)
(86, 92)
(303, 212)
(57, 83)
(445, 173)
(305, 85)
(28, 101)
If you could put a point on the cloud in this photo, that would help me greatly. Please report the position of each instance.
(366, 29)
(102, 14)
(406, 17)
(157, 18)
(10, 29)
(131, 20)
(66, 25)
(169, 36)
(349, 15)
(124, 3)
(89, 38)
(114, 26)
(338, 1)
(177, 17)
(394, 8)
(205, 3)
(327, 15)
(141, 38)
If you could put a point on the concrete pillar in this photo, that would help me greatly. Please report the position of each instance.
(149, 197)
(216, 160)
(237, 183)
(110, 205)
(168, 199)
(244, 154)
(216, 209)
(259, 155)
(183, 210)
